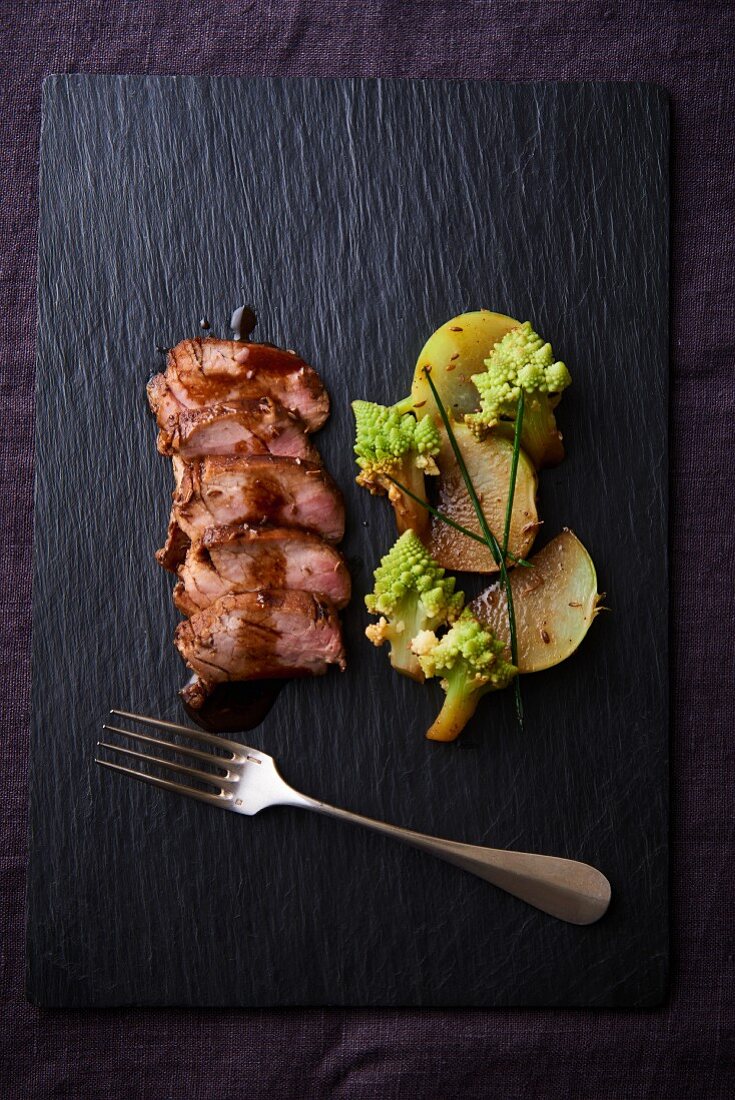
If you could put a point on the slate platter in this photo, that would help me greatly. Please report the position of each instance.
(356, 216)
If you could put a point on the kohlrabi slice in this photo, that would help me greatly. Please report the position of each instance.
(454, 353)
(554, 603)
(488, 463)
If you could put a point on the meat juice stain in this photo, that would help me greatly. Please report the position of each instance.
(234, 707)
(243, 321)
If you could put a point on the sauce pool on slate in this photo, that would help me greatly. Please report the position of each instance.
(236, 706)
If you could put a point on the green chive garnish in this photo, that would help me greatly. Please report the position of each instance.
(490, 539)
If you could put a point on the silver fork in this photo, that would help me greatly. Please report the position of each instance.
(248, 781)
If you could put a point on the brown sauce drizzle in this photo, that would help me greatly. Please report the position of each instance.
(243, 321)
(266, 499)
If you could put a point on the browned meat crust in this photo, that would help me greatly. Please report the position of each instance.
(173, 552)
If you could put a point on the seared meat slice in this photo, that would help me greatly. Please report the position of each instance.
(206, 371)
(259, 635)
(257, 489)
(244, 559)
(242, 427)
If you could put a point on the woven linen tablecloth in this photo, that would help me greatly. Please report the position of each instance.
(682, 1050)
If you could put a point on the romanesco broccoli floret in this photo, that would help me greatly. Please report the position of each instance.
(470, 660)
(393, 446)
(522, 361)
(411, 594)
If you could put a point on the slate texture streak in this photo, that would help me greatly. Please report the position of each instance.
(356, 216)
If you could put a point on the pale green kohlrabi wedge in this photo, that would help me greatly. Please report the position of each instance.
(488, 463)
(454, 353)
(554, 603)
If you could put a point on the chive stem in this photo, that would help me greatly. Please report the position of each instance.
(513, 470)
(506, 537)
(490, 539)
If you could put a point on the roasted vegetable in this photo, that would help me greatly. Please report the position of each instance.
(488, 462)
(411, 594)
(522, 361)
(554, 602)
(470, 661)
(454, 353)
(391, 446)
(485, 389)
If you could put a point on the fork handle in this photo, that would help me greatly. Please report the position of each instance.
(564, 888)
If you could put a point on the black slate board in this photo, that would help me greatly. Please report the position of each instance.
(357, 216)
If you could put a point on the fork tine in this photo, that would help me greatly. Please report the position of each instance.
(210, 738)
(180, 788)
(205, 777)
(224, 762)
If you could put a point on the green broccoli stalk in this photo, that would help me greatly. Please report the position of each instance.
(522, 361)
(470, 660)
(392, 445)
(411, 594)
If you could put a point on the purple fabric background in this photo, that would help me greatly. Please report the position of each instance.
(685, 1049)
